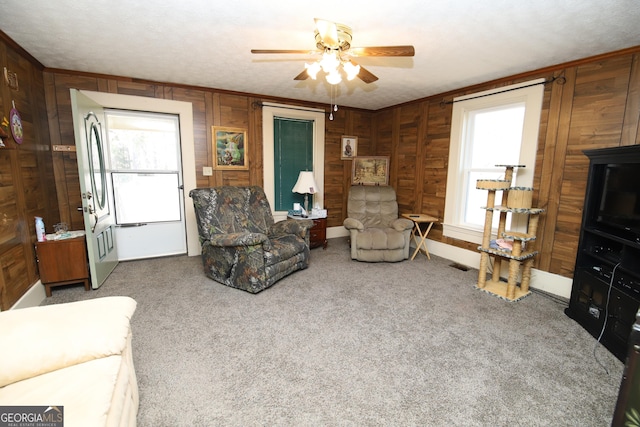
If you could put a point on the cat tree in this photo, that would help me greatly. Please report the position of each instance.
(515, 200)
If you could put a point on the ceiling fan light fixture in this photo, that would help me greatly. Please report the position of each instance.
(333, 41)
(351, 70)
(313, 69)
(334, 77)
(329, 62)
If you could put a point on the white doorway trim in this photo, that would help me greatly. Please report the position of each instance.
(185, 111)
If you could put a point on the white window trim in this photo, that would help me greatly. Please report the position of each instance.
(531, 93)
(269, 112)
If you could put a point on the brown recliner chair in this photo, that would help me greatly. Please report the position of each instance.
(376, 232)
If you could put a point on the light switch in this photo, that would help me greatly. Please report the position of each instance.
(207, 170)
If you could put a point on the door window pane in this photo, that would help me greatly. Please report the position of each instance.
(145, 166)
(146, 197)
(143, 142)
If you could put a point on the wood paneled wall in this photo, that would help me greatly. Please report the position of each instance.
(210, 108)
(597, 106)
(594, 103)
(26, 176)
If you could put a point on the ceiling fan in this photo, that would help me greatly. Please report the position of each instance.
(333, 42)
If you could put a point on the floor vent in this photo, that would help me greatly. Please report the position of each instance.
(459, 266)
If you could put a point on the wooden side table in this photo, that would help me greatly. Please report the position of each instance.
(317, 233)
(418, 221)
(62, 262)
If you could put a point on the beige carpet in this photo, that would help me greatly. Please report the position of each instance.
(346, 343)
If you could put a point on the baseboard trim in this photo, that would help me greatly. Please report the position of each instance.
(32, 298)
(550, 283)
(544, 281)
(334, 232)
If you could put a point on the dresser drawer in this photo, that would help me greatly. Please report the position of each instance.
(318, 233)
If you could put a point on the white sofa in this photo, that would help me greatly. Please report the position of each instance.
(76, 355)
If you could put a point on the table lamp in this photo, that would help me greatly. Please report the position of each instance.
(306, 185)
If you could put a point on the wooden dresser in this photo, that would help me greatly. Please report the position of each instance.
(62, 262)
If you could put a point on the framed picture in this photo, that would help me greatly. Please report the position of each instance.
(349, 147)
(370, 170)
(229, 146)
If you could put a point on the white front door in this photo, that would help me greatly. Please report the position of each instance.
(145, 169)
(97, 205)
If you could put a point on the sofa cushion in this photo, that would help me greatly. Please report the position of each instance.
(230, 209)
(87, 391)
(38, 340)
(373, 206)
(284, 247)
(380, 238)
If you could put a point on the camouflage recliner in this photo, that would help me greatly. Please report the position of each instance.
(242, 247)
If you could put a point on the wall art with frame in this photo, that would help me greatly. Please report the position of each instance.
(349, 147)
(373, 170)
(230, 148)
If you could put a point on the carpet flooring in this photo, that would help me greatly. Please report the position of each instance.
(345, 343)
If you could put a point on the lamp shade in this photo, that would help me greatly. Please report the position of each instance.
(306, 183)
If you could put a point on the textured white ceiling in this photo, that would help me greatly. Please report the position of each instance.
(207, 42)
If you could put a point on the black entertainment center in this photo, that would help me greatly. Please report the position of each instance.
(605, 295)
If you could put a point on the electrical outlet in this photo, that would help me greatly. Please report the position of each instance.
(207, 170)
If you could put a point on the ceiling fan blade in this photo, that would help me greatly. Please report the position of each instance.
(365, 75)
(383, 51)
(302, 76)
(301, 51)
(328, 32)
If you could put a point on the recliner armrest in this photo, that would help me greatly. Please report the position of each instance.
(299, 227)
(402, 224)
(353, 224)
(238, 239)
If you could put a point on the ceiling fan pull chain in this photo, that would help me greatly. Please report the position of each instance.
(332, 106)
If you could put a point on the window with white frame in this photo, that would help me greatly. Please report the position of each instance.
(270, 112)
(498, 127)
